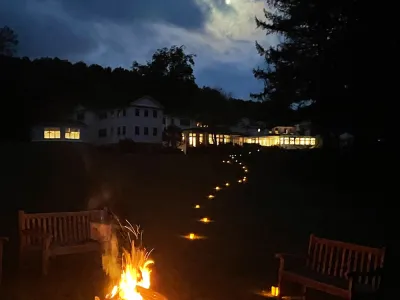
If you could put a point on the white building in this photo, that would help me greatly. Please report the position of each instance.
(179, 121)
(141, 121)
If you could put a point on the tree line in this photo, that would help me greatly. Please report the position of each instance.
(49, 88)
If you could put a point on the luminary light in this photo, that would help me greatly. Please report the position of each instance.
(244, 167)
(274, 291)
(240, 181)
(210, 196)
(192, 236)
(249, 152)
(246, 170)
(240, 163)
(227, 184)
(228, 161)
(197, 206)
(244, 179)
(223, 161)
(205, 220)
(217, 188)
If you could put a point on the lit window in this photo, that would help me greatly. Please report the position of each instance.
(301, 141)
(201, 138)
(312, 141)
(291, 141)
(281, 141)
(52, 133)
(286, 141)
(307, 141)
(297, 141)
(72, 133)
(192, 139)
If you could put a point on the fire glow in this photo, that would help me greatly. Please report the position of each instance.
(130, 272)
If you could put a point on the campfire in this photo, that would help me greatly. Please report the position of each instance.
(128, 266)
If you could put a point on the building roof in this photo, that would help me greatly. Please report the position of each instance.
(148, 98)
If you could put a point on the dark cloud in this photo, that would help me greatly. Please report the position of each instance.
(43, 35)
(184, 13)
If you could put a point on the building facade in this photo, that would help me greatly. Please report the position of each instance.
(141, 122)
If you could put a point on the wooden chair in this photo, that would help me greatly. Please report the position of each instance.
(333, 267)
(55, 234)
(2, 241)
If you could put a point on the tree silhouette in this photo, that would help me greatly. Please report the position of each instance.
(8, 41)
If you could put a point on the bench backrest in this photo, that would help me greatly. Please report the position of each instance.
(337, 258)
(65, 227)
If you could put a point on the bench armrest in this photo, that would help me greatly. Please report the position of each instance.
(290, 260)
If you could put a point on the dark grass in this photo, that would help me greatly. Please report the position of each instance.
(288, 196)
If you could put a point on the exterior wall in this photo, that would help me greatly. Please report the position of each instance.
(38, 133)
(111, 126)
(182, 123)
(284, 130)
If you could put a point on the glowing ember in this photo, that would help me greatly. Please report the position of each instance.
(197, 206)
(130, 272)
(210, 196)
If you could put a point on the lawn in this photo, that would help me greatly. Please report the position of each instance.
(288, 196)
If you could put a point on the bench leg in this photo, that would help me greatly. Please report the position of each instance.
(304, 292)
(46, 256)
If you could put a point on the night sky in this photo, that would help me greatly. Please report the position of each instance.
(115, 33)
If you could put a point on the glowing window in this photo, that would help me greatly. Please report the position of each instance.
(192, 139)
(52, 133)
(72, 133)
(286, 141)
(291, 141)
(301, 141)
(307, 141)
(312, 141)
(201, 138)
(297, 141)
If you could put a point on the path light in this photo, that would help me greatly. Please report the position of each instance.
(210, 196)
(197, 206)
(227, 184)
(217, 188)
(249, 152)
(192, 236)
(244, 179)
(240, 163)
(246, 170)
(243, 167)
(205, 220)
(240, 181)
(223, 161)
(228, 161)
(258, 150)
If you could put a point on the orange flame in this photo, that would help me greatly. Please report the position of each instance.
(133, 272)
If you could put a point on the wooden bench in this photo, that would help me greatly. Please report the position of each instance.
(2, 241)
(334, 267)
(55, 234)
